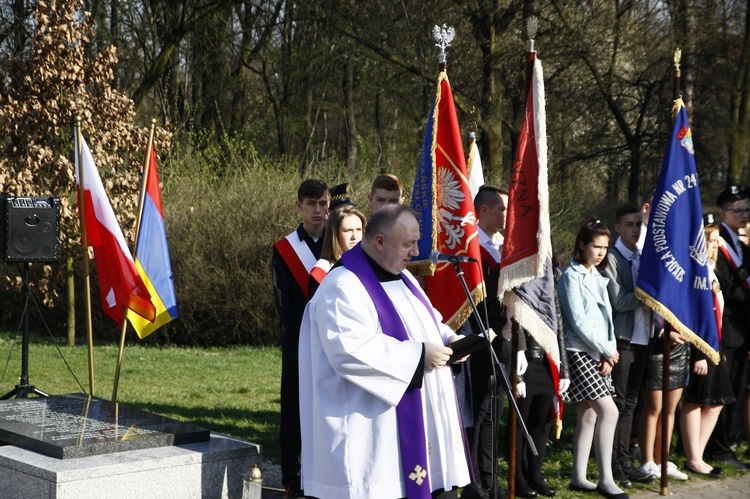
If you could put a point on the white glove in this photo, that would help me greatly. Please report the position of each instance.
(563, 385)
(521, 390)
(521, 363)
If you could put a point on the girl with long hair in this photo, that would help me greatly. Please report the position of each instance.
(346, 225)
(592, 352)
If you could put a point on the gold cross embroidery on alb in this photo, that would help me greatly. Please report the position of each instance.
(418, 475)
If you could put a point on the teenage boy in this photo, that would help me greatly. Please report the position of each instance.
(631, 320)
(293, 258)
(386, 189)
(732, 269)
(490, 206)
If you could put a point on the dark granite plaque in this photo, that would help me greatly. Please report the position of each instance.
(77, 425)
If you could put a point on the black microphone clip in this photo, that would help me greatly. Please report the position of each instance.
(436, 258)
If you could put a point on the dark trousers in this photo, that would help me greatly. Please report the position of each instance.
(480, 436)
(729, 425)
(289, 427)
(535, 410)
(482, 385)
(620, 375)
(737, 363)
(627, 379)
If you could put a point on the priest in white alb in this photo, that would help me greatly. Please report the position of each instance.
(378, 405)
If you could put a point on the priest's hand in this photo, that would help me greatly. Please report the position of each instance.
(436, 356)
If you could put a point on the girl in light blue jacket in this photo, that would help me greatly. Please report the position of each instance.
(592, 352)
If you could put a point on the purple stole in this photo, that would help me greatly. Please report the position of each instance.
(411, 432)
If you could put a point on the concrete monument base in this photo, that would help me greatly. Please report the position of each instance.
(203, 470)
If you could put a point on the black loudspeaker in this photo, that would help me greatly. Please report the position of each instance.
(30, 229)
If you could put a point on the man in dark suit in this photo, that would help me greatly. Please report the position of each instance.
(732, 269)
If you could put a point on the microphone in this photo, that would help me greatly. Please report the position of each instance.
(436, 258)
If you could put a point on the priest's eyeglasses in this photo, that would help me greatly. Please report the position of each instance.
(739, 211)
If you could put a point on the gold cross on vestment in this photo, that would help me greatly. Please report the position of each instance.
(418, 474)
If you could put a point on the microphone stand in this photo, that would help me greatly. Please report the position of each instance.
(496, 366)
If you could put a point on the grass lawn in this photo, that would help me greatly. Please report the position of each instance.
(234, 391)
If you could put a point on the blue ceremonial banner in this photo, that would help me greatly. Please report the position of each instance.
(423, 195)
(673, 278)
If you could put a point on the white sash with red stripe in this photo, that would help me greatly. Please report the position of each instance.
(298, 258)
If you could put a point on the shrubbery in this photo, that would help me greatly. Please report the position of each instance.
(224, 208)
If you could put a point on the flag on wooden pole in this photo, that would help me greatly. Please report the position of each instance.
(119, 283)
(152, 254)
(445, 210)
(673, 279)
(526, 265)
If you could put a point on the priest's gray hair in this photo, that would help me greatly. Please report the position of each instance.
(383, 220)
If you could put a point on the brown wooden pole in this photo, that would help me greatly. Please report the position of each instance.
(139, 214)
(515, 330)
(667, 336)
(665, 410)
(85, 247)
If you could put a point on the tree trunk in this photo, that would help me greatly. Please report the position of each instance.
(114, 31)
(491, 140)
(739, 125)
(351, 123)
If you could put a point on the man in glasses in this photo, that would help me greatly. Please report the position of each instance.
(732, 269)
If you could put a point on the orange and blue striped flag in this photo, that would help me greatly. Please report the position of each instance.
(152, 256)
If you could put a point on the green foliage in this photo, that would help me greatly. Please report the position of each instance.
(224, 209)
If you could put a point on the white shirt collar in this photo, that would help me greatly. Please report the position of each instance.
(492, 244)
(624, 250)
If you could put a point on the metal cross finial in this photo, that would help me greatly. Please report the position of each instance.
(443, 37)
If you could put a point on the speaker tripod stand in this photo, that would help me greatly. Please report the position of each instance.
(23, 389)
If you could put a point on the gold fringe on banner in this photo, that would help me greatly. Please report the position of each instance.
(678, 326)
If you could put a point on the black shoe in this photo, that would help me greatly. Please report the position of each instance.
(294, 489)
(636, 476)
(576, 488)
(621, 478)
(606, 494)
(526, 492)
(734, 462)
(543, 490)
(715, 472)
(474, 491)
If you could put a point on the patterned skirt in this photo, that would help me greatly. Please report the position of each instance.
(586, 382)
